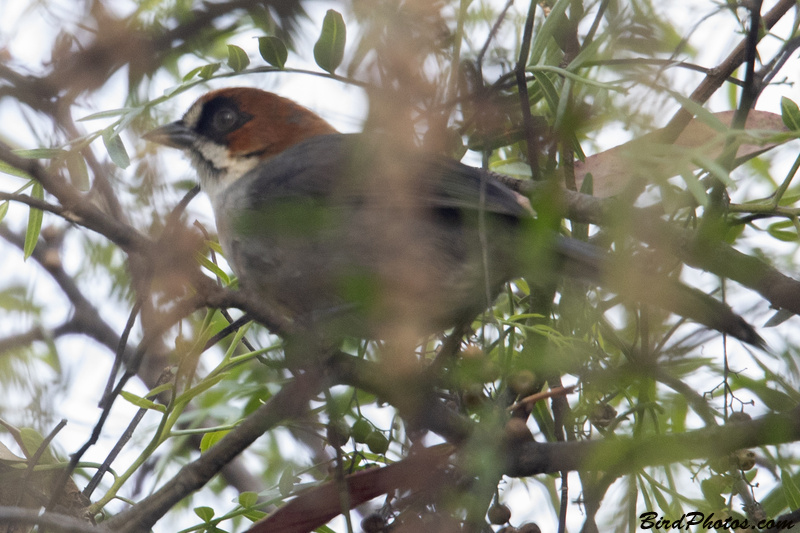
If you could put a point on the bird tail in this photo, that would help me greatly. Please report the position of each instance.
(577, 259)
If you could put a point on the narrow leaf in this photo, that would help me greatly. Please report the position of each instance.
(32, 440)
(192, 73)
(116, 150)
(695, 187)
(790, 490)
(329, 49)
(237, 58)
(142, 403)
(704, 115)
(545, 33)
(210, 439)
(5, 168)
(106, 114)
(216, 270)
(78, 173)
(155, 391)
(273, 51)
(40, 153)
(790, 114)
(34, 222)
(783, 230)
(287, 481)
(209, 70)
(3, 210)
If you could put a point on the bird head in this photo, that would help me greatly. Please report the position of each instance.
(228, 132)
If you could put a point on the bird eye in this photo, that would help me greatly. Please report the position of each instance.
(225, 119)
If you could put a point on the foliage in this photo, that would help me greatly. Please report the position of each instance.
(559, 385)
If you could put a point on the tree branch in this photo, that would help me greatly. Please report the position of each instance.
(717, 76)
(712, 256)
(52, 521)
(123, 235)
(290, 402)
(621, 455)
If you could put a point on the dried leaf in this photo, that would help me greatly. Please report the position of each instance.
(616, 168)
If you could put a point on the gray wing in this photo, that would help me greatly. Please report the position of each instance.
(320, 167)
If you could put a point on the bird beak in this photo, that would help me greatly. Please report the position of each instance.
(175, 135)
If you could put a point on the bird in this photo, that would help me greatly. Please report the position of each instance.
(348, 235)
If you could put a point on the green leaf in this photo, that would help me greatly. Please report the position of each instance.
(254, 515)
(712, 489)
(790, 490)
(587, 187)
(273, 51)
(40, 153)
(790, 114)
(780, 230)
(543, 35)
(3, 210)
(549, 91)
(35, 217)
(287, 481)
(107, 114)
(155, 391)
(663, 504)
(703, 115)
(329, 49)
(5, 168)
(205, 513)
(142, 403)
(695, 187)
(78, 173)
(192, 73)
(248, 499)
(771, 397)
(116, 150)
(213, 268)
(210, 439)
(237, 58)
(32, 440)
(199, 388)
(209, 70)
(720, 172)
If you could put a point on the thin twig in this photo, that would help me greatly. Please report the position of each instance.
(522, 86)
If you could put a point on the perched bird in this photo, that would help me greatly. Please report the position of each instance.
(344, 234)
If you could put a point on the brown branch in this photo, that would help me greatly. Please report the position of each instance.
(290, 402)
(80, 208)
(87, 319)
(12, 342)
(412, 395)
(60, 523)
(621, 455)
(664, 63)
(35, 203)
(712, 256)
(216, 297)
(315, 507)
(318, 505)
(717, 76)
